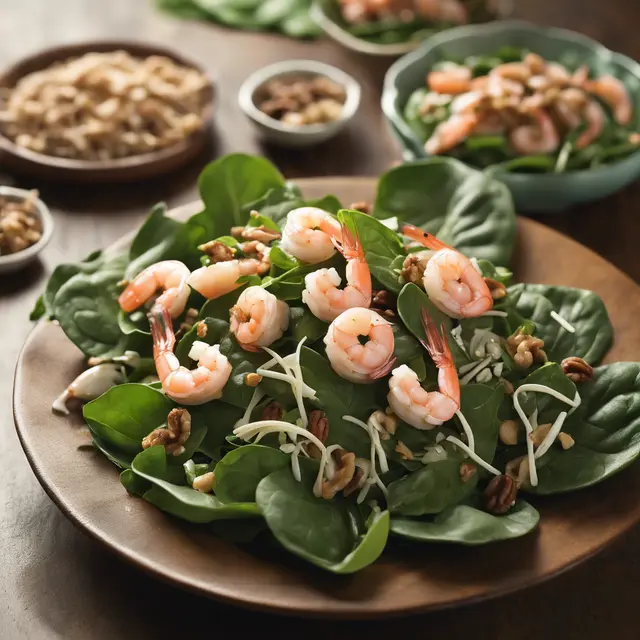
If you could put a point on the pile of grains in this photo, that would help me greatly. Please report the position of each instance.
(299, 101)
(103, 106)
(19, 224)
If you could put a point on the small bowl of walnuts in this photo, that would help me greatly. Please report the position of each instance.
(103, 112)
(299, 103)
(25, 228)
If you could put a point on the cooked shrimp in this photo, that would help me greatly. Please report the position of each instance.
(308, 234)
(352, 359)
(321, 293)
(170, 276)
(517, 71)
(258, 318)
(594, 116)
(467, 102)
(442, 10)
(417, 407)
(453, 80)
(615, 94)
(222, 277)
(541, 137)
(451, 132)
(186, 386)
(450, 279)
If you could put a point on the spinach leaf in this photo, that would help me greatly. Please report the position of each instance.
(120, 418)
(303, 323)
(606, 430)
(462, 206)
(411, 301)
(479, 404)
(322, 532)
(216, 330)
(408, 350)
(583, 309)
(87, 308)
(430, 490)
(184, 502)
(241, 470)
(338, 397)
(381, 246)
(468, 525)
(220, 418)
(219, 307)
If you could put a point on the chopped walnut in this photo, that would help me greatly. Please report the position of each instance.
(259, 233)
(20, 225)
(413, 269)
(205, 482)
(252, 379)
(106, 105)
(540, 434)
(344, 472)
(357, 482)
(566, 440)
(497, 289)
(385, 420)
(383, 300)
(201, 329)
(526, 349)
(518, 469)
(217, 251)
(362, 205)
(257, 251)
(174, 435)
(509, 432)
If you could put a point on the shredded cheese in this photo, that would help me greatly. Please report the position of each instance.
(550, 438)
(456, 334)
(475, 264)
(533, 472)
(473, 455)
(466, 427)
(197, 349)
(258, 394)
(495, 312)
(476, 370)
(562, 322)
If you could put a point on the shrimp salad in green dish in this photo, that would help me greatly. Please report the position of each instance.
(519, 112)
(330, 376)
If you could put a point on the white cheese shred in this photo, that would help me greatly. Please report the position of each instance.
(562, 322)
(495, 312)
(473, 455)
(258, 394)
(550, 438)
(533, 472)
(476, 370)
(467, 430)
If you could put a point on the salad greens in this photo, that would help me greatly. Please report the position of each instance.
(290, 17)
(531, 115)
(293, 451)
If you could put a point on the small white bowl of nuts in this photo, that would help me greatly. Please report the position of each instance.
(25, 228)
(299, 103)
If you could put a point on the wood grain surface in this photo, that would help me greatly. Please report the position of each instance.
(57, 583)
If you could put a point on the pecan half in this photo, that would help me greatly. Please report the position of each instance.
(500, 494)
(357, 482)
(384, 300)
(319, 425)
(361, 205)
(217, 251)
(273, 411)
(466, 471)
(497, 289)
(174, 435)
(577, 369)
(509, 432)
(344, 472)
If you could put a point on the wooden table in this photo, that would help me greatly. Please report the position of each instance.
(55, 582)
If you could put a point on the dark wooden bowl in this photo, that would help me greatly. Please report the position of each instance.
(130, 169)
(408, 577)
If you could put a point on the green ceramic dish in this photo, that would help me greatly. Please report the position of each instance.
(535, 193)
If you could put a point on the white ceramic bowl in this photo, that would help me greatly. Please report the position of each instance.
(15, 261)
(291, 136)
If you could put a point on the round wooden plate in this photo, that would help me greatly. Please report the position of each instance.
(131, 169)
(409, 577)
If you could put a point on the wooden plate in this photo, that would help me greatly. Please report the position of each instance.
(139, 167)
(409, 577)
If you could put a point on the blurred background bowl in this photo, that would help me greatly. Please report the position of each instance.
(129, 169)
(284, 135)
(535, 193)
(14, 261)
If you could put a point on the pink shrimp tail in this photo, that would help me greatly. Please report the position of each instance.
(436, 344)
(348, 244)
(384, 369)
(425, 239)
(164, 339)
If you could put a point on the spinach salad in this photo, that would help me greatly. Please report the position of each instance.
(515, 111)
(430, 411)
